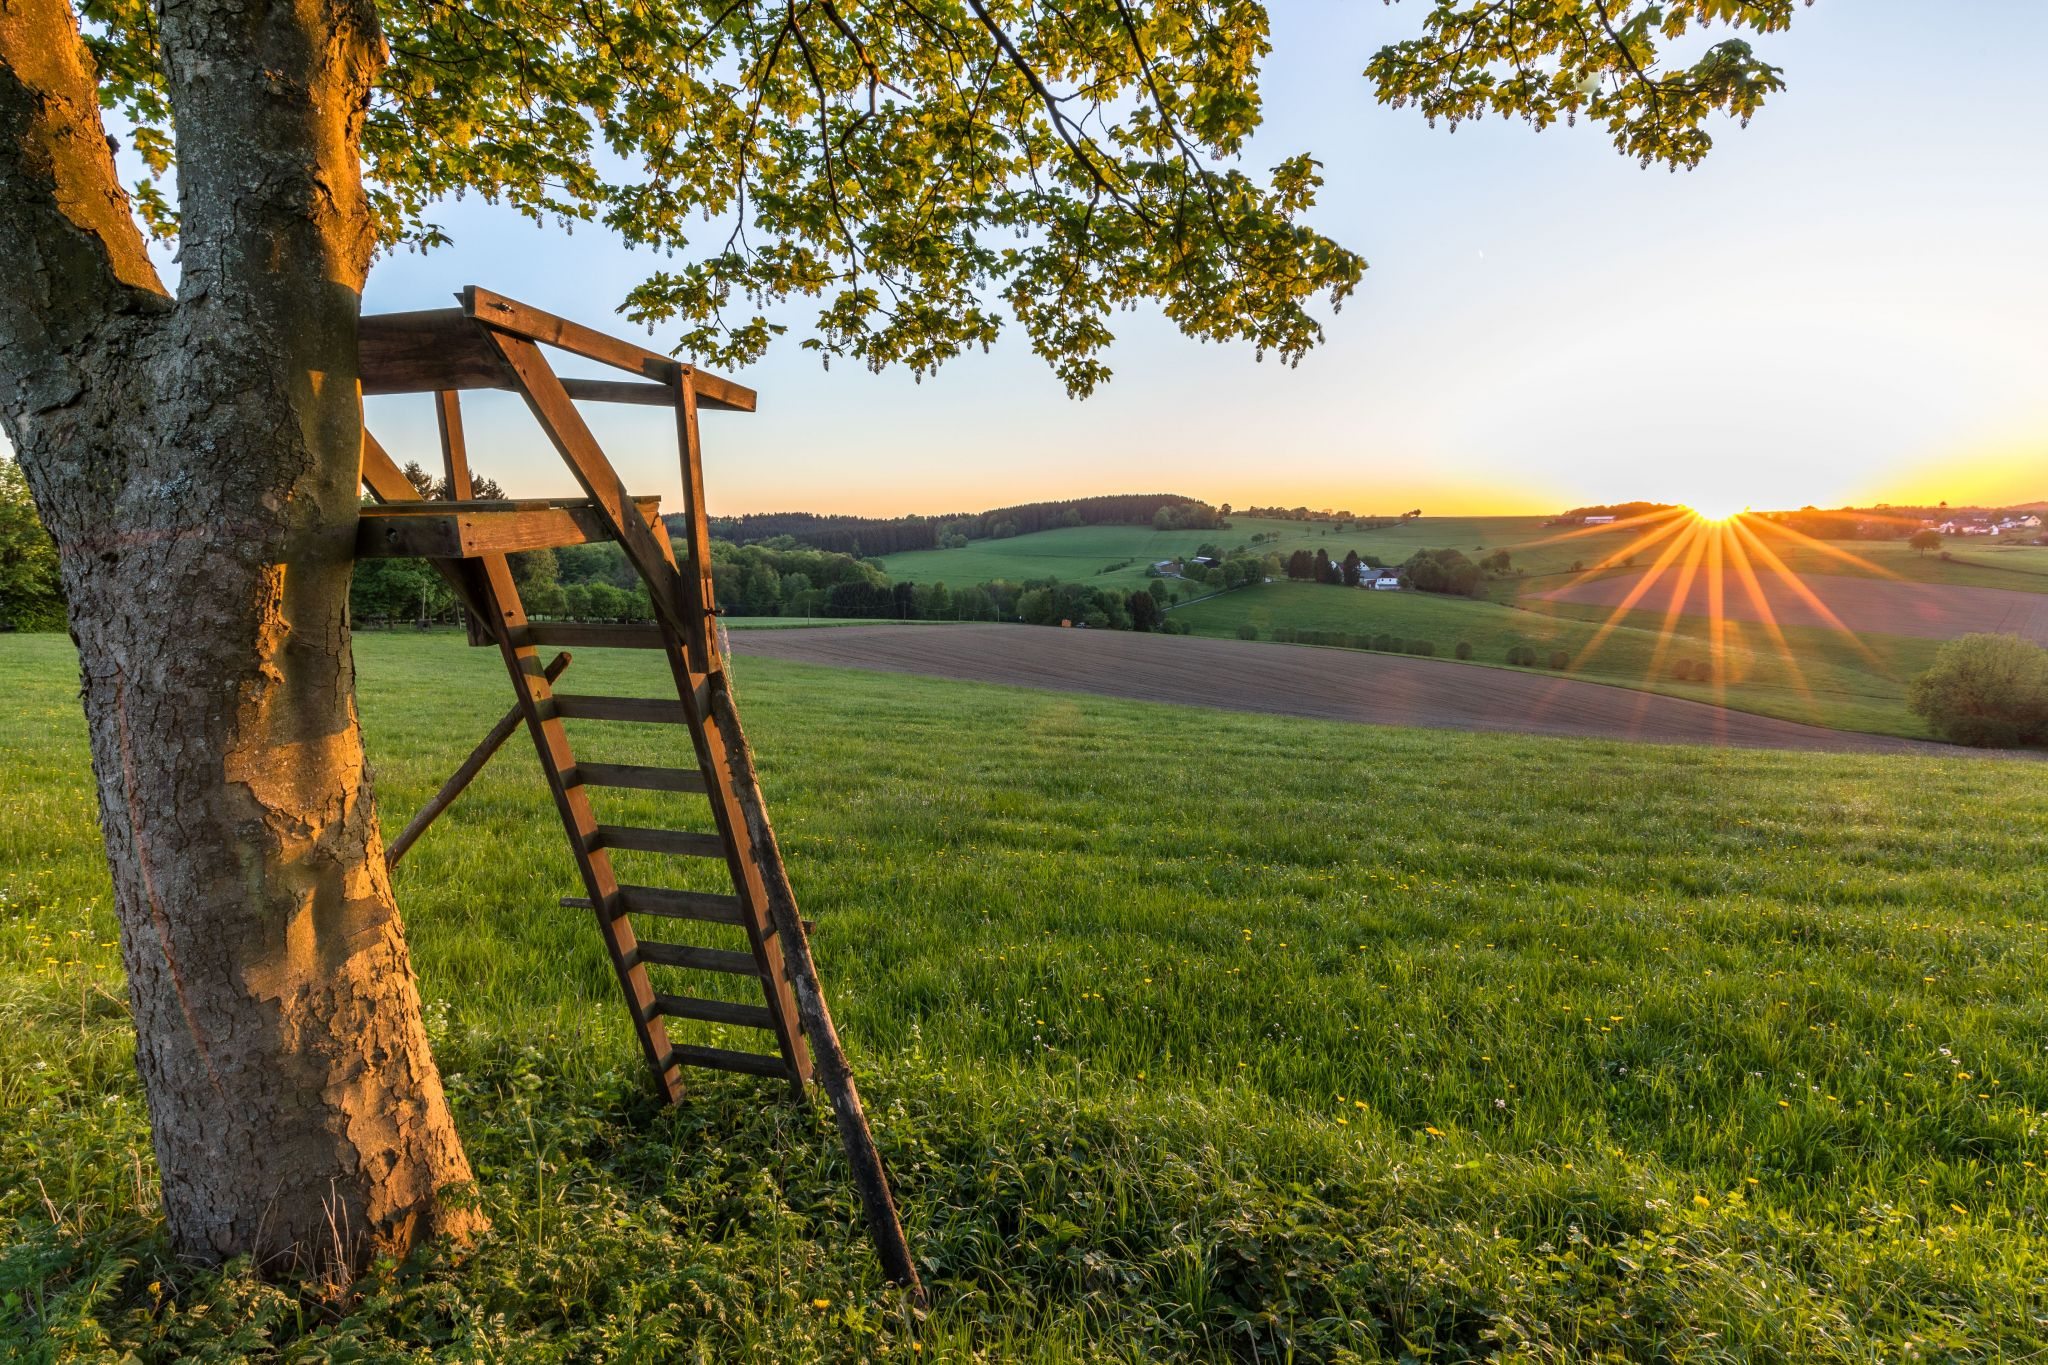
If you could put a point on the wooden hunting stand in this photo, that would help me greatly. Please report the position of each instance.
(493, 342)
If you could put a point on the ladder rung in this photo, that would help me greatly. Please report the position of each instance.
(725, 1059)
(659, 841)
(653, 710)
(699, 959)
(714, 1011)
(659, 900)
(577, 635)
(637, 776)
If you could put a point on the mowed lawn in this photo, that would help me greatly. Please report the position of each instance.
(1186, 1035)
(1816, 675)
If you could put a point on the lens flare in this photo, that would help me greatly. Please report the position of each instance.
(1713, 561)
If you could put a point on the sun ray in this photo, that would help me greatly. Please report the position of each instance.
(1605, 528)
(1768, 618)
(1628, 551)
(1635, 595)
(1836, 552)
(1813, 600)
(1681, 594)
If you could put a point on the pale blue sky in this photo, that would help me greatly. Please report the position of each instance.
(1848, 301)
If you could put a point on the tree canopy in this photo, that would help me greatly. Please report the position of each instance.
(911, 165)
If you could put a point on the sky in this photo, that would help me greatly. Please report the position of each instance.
(1847, 303)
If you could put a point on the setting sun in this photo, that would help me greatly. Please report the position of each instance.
(1717, 508)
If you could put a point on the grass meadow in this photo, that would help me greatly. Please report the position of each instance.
(1185, 1034)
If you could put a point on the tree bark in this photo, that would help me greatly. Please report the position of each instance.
(197, 460)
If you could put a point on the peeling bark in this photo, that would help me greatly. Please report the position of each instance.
(196, 460)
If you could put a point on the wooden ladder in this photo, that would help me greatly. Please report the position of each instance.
(792, 1009)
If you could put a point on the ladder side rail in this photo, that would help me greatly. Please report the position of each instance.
(695, 690)
(767, 880)
(834, 1074)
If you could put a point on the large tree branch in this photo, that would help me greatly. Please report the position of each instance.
(72, 250)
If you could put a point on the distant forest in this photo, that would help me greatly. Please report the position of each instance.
(874, 536)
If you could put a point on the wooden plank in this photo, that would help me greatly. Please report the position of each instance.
(700, 597)
(533, 324)
(682, 843)
(639, 777)
(594, 635)
(646, 710)
(715, 1012)
(619, 391)
(464, 775)
(699, 959)
(703, 906)
(422, 352)
(725, 1059)
(451, 530)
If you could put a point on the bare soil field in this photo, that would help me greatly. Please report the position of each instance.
(1328, 684)
(1932, 611)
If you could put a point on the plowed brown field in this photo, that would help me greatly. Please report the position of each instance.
(1290, 680)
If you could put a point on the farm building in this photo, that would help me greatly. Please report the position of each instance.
(1385, 583)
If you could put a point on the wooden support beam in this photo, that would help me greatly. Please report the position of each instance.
(464, 775)
(647, 549)
(464, 530)
(524, 320)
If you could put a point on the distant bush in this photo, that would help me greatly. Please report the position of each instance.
(1522, 656)
(1682, 670)
(1247, 631)
(1284, 635)
(1560, 659)
(1425, 648)
(1463, 649)
(1384, 642)
(1987, 690)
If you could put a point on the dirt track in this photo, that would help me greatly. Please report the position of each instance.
(1328, 684)
(1875, 606)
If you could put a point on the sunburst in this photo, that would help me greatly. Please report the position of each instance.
(1723, 551)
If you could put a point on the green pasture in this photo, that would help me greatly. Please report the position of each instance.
(1187, 1035)
(1080, 554)
(1819, 676)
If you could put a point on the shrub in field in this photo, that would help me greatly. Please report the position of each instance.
(1464, 649)
(1560, 659)
(1682, 670)
(1247, 631)
(1383, 642)
(1986, 690)
(1522, 656)
(1424, 648)
(1284, 634)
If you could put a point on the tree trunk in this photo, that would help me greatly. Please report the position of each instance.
(197, 461)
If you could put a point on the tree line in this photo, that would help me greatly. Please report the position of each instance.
(865, 537)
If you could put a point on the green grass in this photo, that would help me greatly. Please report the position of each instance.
(1823, 678)
(1080, 554)
(1186, 1035)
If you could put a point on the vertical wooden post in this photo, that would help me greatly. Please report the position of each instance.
(703, 632)
(454, 451)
